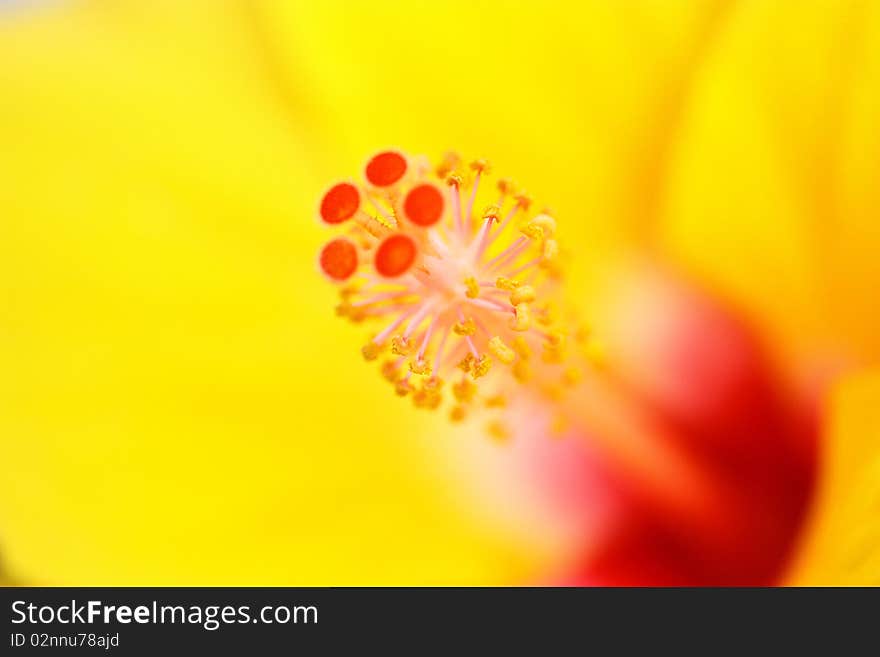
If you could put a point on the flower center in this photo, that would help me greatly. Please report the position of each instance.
(465, 295)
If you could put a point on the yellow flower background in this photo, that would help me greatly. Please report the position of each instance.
(178, 404)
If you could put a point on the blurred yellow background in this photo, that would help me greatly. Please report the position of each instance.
(178, 404)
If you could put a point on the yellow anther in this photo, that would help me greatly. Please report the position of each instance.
(467, 327)
(522, 319)
(433, 401)
(390, 371)
(544, 314)
(522, 372)
(506, 186)
(371, 350)
(503, 283)
(554, 348)
(353, 314)
(556, 338)
(481, 366)
(458, 413)
(572, 376)
(423, 398)
(501, 351)
(432, 384)
(464, 391)
(454, 180)
(481, 166)
(522, 294)
(401, 345)
(472, 288)
(448, 164)
(466, 363)
(427, 397)
(347, 292)
(532, 232)
(546, 223)
(492, 212)
(521, 347)
(523, 200)
(420, 366)
(582, 334)
(498, 431)
(552, 354)
(373, 226)
(420, 399)
(496, 401)
(402, 388)
(550, 250)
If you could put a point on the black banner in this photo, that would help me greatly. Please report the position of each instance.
(125, 621)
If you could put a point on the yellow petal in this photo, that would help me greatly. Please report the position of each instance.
(579, 101)
(774, 191)
(178, 404)
(841, 545)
